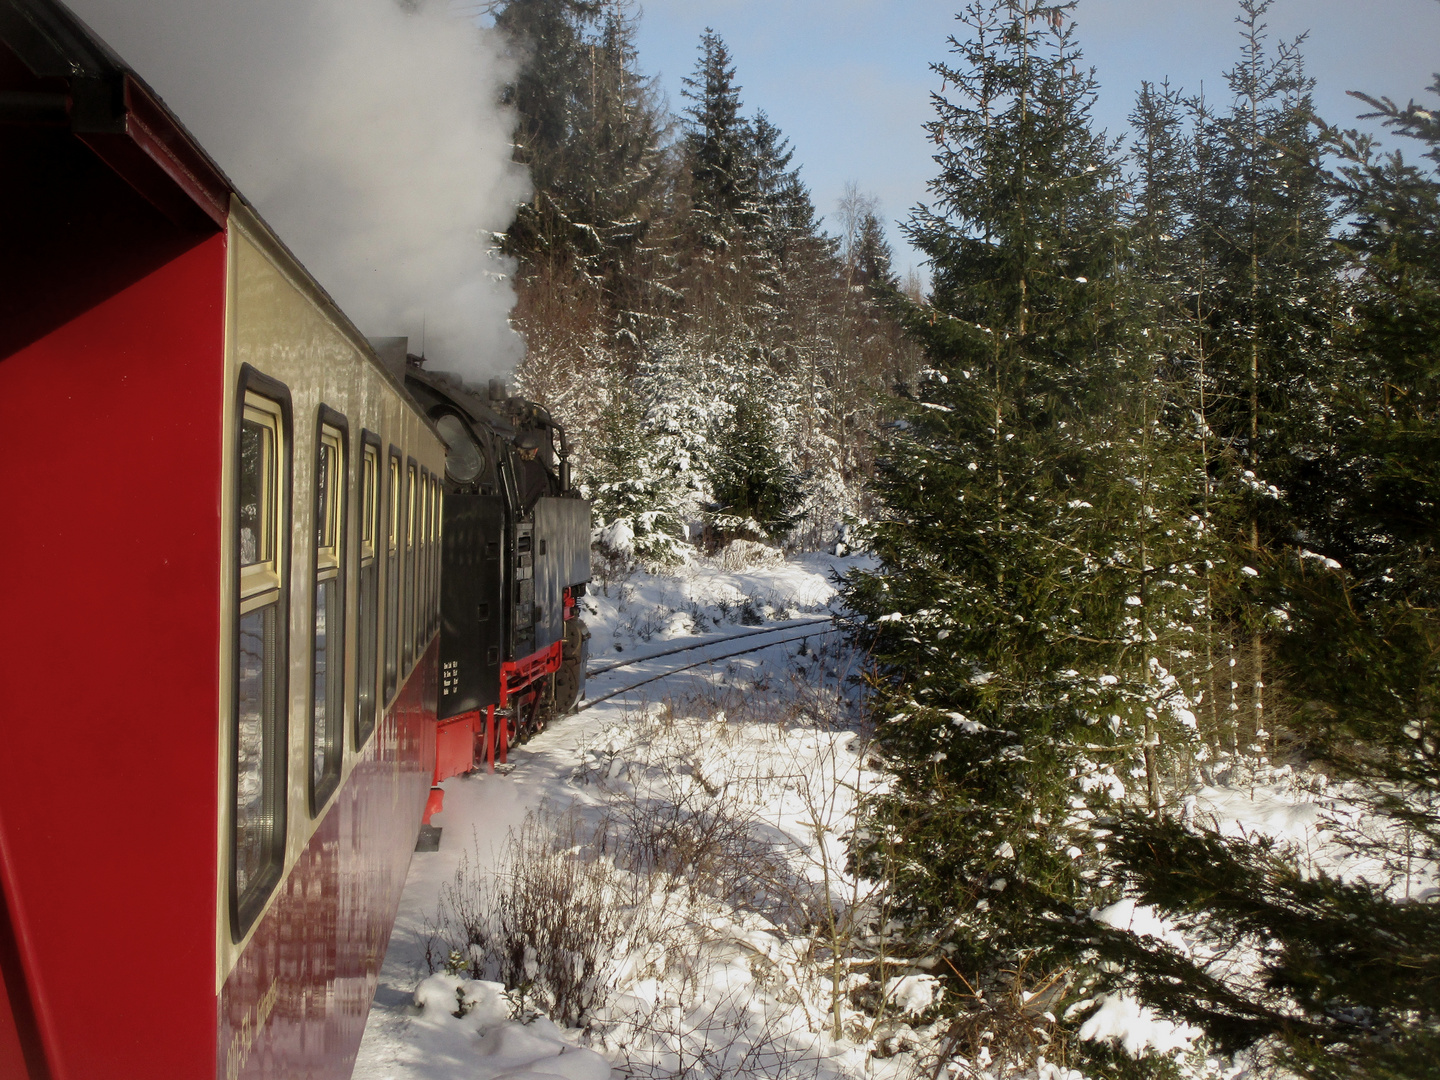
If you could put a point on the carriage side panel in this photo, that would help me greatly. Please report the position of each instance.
(108, 672)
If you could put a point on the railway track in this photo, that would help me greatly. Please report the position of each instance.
(707, 660)
(792, 624)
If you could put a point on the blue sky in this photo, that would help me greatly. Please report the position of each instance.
(849, 81)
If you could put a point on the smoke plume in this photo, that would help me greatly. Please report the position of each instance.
(369, 134)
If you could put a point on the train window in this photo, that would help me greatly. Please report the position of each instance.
(434, 557)
(422, 615)
(431, 621)
(327, 675)
(439, 552)
(257, 837)
(411, 521)
(392, 577)
(439, 549)
(368, 623)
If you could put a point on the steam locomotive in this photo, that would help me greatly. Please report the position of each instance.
(516, 555)
(266, 584)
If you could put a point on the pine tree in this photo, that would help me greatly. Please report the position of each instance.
(873, 258)
(620, 130)
(718, 151)
(633, 495)
(1348, 971)
(751, 481)
(590, 129)
(998, 614)
(1264, 224)
(547, 34)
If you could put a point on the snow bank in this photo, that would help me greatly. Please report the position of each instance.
(483, 1042)
(710, 598)
(913, 994)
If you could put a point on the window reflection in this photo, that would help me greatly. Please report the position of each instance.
(257, 449)
(324, 520)
(369, 615)
(324, 685)
(258, 797)
(328, 639)
(392, 584)
(255, 747)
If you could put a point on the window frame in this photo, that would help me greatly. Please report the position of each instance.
(422, 561)
(256, 587)
(330, 565)
(394, 477)
(432, 582)
(437, 571)
(410, 558)
(368, 562)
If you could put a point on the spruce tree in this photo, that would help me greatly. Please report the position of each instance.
(1263, 226)
(718, 152)
(590, 128)
(547, 35)
(873, 257)
(1001, 608)
(1343, 978)
(631, 489)
(750, 478)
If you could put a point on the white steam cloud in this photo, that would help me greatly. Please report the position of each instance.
(368, 134)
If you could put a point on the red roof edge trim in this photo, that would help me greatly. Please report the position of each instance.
(156, 157)
(157, 133)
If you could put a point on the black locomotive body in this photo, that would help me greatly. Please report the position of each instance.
(515, 559)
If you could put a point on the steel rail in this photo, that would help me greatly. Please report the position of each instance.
(791, 625)
(702, 663)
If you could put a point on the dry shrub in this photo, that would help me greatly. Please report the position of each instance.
(722, 1040)
(673, 822)
(1001, 1031)
(550, 919)
(741, 555)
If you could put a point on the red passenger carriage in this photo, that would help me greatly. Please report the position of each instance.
(221, 638)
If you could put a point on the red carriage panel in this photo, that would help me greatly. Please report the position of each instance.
(108, 666)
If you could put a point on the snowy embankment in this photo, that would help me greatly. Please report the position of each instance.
(720, 795)
(660, 879)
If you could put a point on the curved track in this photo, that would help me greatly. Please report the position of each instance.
(707, 660)
(793, 624)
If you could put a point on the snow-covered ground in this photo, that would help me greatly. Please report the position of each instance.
(672, 858)
(723, 791)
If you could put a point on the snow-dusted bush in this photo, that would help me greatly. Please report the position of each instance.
(549, 920)
(741, 555)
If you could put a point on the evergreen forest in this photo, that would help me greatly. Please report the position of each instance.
(1149, 470)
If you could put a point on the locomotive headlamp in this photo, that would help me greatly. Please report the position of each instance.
(462, 458)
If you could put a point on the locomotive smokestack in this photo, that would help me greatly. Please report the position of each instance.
(392, 352)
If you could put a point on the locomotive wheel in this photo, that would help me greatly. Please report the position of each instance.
(567, 679)
(575, 635)
(567, 685)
